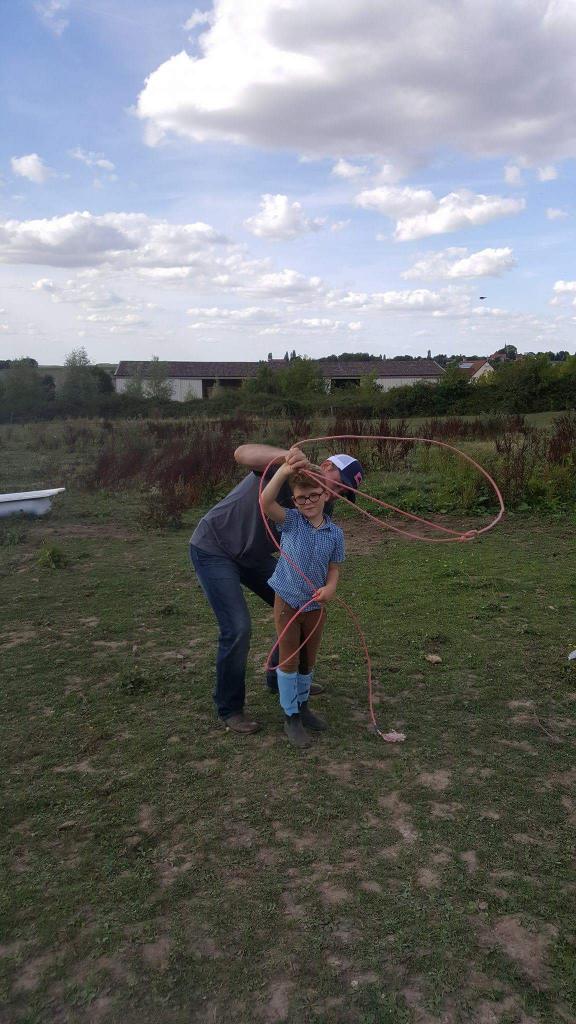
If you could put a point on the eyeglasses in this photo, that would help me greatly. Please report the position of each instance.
(305, 499)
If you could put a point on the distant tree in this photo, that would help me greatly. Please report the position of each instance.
(48, 385)
(79, 385)
(158, 385)
(300, 377)
(135, 384)
(5, 364)
(350, 357)
(104, 382)
(22, 386)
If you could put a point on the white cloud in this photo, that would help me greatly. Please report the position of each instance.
(92, 159)
(401, 79)
(419, 213)
(52, 13)
(418, 300)
(454, 212)
(280, 219)
(197, 18)
(90, 294)
(119, 239)
(554, 213)
(286, 284)
(548, 173)
(339, 225)
(397, 202)
(513, 174)
(563, 289)
(456, 263)
(32, 167)
(343, 169)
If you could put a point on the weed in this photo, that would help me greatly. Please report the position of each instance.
(51, 556)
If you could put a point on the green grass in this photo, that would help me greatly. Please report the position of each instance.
(160, 869)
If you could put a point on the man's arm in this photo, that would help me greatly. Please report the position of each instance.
(257, 457)
(273, 510)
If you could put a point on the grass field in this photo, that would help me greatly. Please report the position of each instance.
(162, 870)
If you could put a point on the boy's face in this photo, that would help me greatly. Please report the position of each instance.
(309, 500)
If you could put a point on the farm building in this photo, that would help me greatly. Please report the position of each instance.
(475, 368)
(196, 380)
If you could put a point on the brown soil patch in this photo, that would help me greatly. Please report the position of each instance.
(398, 812)
(156, 954)
(445, 811)
(362, 536)
(428, 878)
(340, 770)
(439, 780)
(16, 639)
(31, 974)
(333, 894)
(470, 860)
(370, 886)
(278, 1005)
(526, 947)
(83, 768)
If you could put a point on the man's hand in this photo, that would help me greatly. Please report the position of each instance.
(297, 460)
(324, 594)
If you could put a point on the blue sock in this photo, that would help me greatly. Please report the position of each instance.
(304, 684)
(288, 691)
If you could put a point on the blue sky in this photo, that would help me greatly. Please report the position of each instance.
(219, 182)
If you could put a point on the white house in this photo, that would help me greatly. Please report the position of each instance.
(475, 368)
(196, 380)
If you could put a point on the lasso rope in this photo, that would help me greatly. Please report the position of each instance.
(453, 535)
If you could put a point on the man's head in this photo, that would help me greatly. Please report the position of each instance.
(342, 472)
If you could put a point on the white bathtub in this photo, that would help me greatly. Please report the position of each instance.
(32, 503)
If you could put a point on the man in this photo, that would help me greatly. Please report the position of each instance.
(230, 549)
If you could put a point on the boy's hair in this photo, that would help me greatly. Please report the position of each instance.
(299, 479)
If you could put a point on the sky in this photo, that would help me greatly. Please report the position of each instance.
(225, 181)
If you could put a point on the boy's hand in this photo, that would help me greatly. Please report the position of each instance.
(324, 595)
(296, 460)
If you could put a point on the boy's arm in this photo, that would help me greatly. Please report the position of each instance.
(257, 457)
(273, 510)
(326, 593)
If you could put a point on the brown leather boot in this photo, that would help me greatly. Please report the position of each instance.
(296, 732)
(239, 723)
(310, 720)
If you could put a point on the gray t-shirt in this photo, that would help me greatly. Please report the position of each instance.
(234, 526)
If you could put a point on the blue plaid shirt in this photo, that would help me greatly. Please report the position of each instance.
(312, 549)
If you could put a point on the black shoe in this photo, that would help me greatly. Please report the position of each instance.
(295, 731)
(310, 720)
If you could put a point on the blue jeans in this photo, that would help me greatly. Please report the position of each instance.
(222, 579)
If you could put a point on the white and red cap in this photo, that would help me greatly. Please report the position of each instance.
(351, 473)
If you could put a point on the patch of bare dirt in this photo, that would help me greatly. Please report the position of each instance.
(439, 781)
(31, 974)
(445, 811)
(15, 639)
(362, 536)
(278, 1005)
(82, 767)
(340, 770)
(470, 859)
(399, 814)
(527, 947)
(333, 894)
(428, 878)
(156, 954)
(368, 885)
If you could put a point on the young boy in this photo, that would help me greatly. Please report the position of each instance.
(312, 542)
